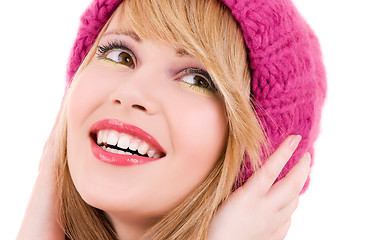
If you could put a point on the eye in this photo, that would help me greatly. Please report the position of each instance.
(198, 79)
(117, 52)
(121, 57)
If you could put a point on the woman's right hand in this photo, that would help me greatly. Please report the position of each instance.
(41, 216)
(260, 209)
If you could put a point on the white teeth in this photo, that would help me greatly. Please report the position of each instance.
(105, 135)
(112, 138)
(100, 137)
(121, 152)
(124, 141)
(114, 150)
(133, 145)
(110, 150)
(143, 148)
(151, 153)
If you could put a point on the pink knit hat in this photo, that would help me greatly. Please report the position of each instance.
(288, 77)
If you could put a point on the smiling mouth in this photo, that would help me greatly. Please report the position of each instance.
(125, 144)
(121, 144)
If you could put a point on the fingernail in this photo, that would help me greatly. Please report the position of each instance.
(295, 141)
(308, 157)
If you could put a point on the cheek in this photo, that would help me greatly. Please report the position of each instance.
(81, 103)
(88, 94)
(199, 136)
(204, 130)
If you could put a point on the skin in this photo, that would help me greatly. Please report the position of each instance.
(153, 94)
(257, 210)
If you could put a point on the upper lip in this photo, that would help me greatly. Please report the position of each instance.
(122, 127)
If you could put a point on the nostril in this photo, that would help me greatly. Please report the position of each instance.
(139, 107)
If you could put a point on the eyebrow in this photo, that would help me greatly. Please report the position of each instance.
(129, 33)
(182, 52)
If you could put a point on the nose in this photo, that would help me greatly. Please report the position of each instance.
(136, 93)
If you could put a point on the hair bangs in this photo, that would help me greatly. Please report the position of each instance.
(193, 26)
(158, 20)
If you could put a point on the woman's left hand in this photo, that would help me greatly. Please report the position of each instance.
(261, 210)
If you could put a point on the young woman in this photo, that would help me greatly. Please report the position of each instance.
(170, 107)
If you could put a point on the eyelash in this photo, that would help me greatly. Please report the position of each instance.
(104, 49)
(199, 72)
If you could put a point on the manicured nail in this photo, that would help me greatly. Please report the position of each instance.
(307, 155)
(295, 141)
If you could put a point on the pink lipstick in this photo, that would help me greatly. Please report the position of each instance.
(121, 144)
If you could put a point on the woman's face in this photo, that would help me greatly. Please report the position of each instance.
(139, 96)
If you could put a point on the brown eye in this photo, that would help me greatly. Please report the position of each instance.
(197, 81)
(200, 81)
(126, 59)
(121, 57)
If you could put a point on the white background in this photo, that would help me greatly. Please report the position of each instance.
(341, 203)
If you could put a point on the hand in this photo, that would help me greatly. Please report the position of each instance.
(260, 209)
(41, 216)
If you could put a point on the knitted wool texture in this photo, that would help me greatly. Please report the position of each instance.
(288, 77)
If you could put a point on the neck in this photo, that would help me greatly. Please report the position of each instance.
(130, 229)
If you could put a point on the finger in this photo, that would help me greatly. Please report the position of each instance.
(268, 173)
(282, 230)
(281, 216)
(292, 184)
(288, 210)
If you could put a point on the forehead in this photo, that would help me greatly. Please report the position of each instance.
(121, 26)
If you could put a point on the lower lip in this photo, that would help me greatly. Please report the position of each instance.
(118, 159)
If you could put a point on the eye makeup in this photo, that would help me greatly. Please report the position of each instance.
(123, 56)
(198, 79)
(111, 45)
(119, 53)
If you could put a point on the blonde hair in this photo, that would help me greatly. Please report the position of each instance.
(208, 32)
